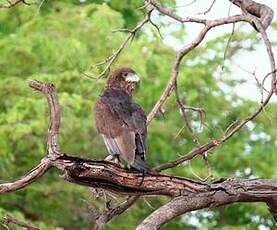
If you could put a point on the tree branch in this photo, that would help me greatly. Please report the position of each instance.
(27, 179)
(131, 33)
(222, 193)
(185, 50)
(49, 91)
(261, 11)
(175, 70)
(11, 4)
(53, 150)
(11, 219)
(108, 215)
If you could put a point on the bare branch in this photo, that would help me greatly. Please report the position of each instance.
(11, 219)
(27, 179)
(229, 42)
(131, 34)
(111, 177)
(11, 4)
(185, 116)
(222, 193)
(52, 141)
(108, 215)
(198, 151)
(186, 49)
(174, 16)
(263, 12)
(49, 91)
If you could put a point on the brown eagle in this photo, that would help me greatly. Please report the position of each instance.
(121, 121)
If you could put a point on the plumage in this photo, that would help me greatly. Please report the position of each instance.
(120, 120)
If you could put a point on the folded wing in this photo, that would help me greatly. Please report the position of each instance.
(122, 124)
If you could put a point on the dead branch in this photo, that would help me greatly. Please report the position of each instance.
(27, 179)
(106, 216)
(111, 177)
(8, 219)
(209, 9)
(175, 70)
(11, 4)
(182, 107)
(53, 148)
(263, 12)
(131, 34)
(198, 151)
(185, 50)
(227, 192)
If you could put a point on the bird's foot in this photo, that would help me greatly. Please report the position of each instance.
(115, 159)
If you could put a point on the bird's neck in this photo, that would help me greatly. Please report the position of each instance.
(126, 90)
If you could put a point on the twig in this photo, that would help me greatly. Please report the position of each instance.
(229, 42)
(185, 116)
(131, 33)
(198, 151)
(174, 16)
(209, 9)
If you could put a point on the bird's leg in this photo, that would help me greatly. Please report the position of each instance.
(142, 174)
(110, 158)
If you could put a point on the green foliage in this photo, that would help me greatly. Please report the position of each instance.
(61, 40)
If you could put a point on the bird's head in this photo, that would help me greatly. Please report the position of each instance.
(124, 78)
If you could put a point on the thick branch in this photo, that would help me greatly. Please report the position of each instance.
(111, 177)
(226, 192)
(49, 91)
(263, 12)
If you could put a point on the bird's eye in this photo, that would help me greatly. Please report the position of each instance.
(125, 74)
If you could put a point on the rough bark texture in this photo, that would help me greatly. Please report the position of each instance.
(261, 11)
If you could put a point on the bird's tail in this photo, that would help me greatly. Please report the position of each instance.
(140, 165)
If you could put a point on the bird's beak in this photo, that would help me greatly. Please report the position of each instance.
(132, 78)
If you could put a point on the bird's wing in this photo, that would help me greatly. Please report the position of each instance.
(122, 124)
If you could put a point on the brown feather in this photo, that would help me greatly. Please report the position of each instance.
(121, 121)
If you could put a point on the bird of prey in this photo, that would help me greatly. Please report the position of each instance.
(121, 121)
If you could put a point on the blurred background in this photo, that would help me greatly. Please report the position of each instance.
(59, 41)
